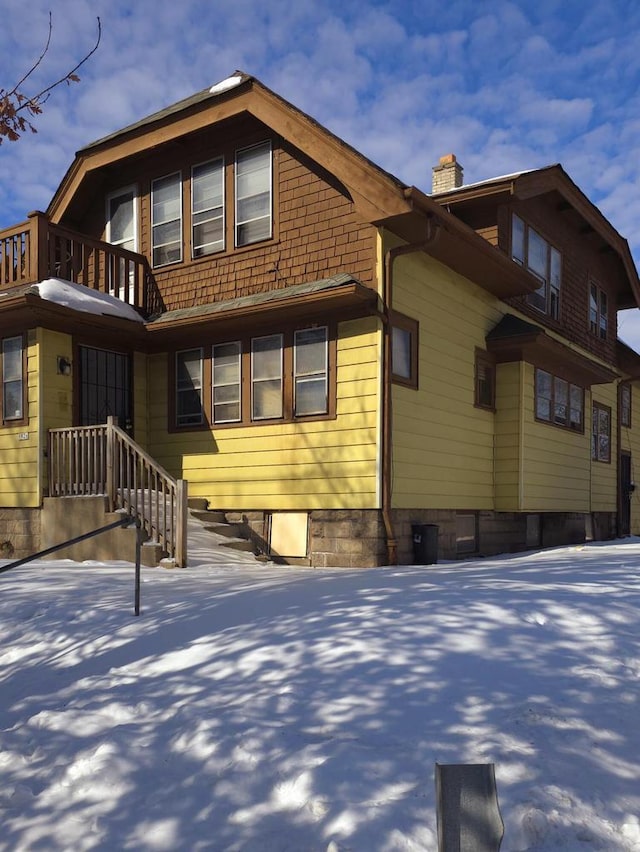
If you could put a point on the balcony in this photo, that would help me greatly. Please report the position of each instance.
(38, 249)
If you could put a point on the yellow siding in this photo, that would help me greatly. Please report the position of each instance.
(316, 464)
(555, 461)
(19, 445)
(630, 441)
(508, 441)
(442, 443)
(604, 477)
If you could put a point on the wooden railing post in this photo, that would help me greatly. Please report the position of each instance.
(181, 523)
(110, 454)
(38, 247)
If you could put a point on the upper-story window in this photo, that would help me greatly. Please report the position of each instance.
(207, 207)
(121, 219)
(558, 401)
(598, 311)
(253, 194)
(544, 261)
(166, 219)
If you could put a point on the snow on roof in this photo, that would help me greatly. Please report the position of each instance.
(488, 181)
(83, 299)
(226, 84)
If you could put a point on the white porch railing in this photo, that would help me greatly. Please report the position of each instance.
(103, 459)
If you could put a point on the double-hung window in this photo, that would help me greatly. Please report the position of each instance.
(625, 405)
(598, 311)
(12, 379)
(226, 382)
(207, 207)
(531, 250)
(266, 377)
(166, 219)
(189, 410)
(601, 433)
(310, 359)
(253, 194)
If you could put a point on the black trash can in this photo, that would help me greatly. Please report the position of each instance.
(425, 544)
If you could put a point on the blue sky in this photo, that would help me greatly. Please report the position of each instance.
(505, 86)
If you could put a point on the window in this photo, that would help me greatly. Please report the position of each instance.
(12, 379)
(166, 219)
(598, 311)
(404, 350)
(207, 207)
(532, 251)
(485, 381)
(121, 219)
(253, 194)
(286, 376)
(266, 377)
(310, 385)
(558, 401)
(601, 433)
(225, 379)
(625, 405)
(189, 388)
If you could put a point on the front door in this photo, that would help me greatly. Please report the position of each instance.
(105, 387)
(624, 496)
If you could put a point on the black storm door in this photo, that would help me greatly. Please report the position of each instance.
(105, 387)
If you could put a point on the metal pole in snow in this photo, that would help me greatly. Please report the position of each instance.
(137, 581)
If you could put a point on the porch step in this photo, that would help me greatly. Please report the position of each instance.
(228, 530)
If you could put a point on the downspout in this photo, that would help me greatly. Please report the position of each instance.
(391, 255)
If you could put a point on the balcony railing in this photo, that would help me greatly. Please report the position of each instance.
(38, 249)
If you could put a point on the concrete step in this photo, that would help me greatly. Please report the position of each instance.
(238, 544)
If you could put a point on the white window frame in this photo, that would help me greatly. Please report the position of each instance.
(255, 381)
(155, 224)
(311, 376)
(215, 385)
(194, 224)
(185, 422)
(238, 199)
(9, 379)
(126, 190)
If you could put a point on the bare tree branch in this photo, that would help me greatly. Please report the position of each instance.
(13, 102)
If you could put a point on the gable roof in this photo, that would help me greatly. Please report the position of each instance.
(550, 179)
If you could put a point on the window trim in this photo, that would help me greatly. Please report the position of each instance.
(23, 419)
(267, 143)
(125, 190)
(595, 433)
(551, 420)
(626, 415)
(288, 413)
(598, 319)
(180, 219)
(487, 361)
(405, 323)
(220, 159)
(552, 291)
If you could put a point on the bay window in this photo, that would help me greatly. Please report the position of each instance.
(559, 402)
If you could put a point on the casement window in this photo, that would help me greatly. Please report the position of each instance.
(253, 194)
(601, 433)
(485, 381)
(285, 376)
(598, 311)
(531, 250)
(188, 375)
(207, 207)
(266, 377)
(13, 379)
(625, 405)
(226, 382)
(166, 219)
(404, 350)
(559, 402)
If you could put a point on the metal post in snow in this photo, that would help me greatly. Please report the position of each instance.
(137, 581)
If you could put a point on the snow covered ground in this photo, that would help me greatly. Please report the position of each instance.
(261, 708)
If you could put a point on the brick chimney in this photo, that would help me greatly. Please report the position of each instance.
(447, 174)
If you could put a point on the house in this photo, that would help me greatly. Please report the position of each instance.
(318, 350)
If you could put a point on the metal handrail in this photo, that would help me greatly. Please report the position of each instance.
(126, 520)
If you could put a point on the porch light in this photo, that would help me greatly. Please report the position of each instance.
(64, 366)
